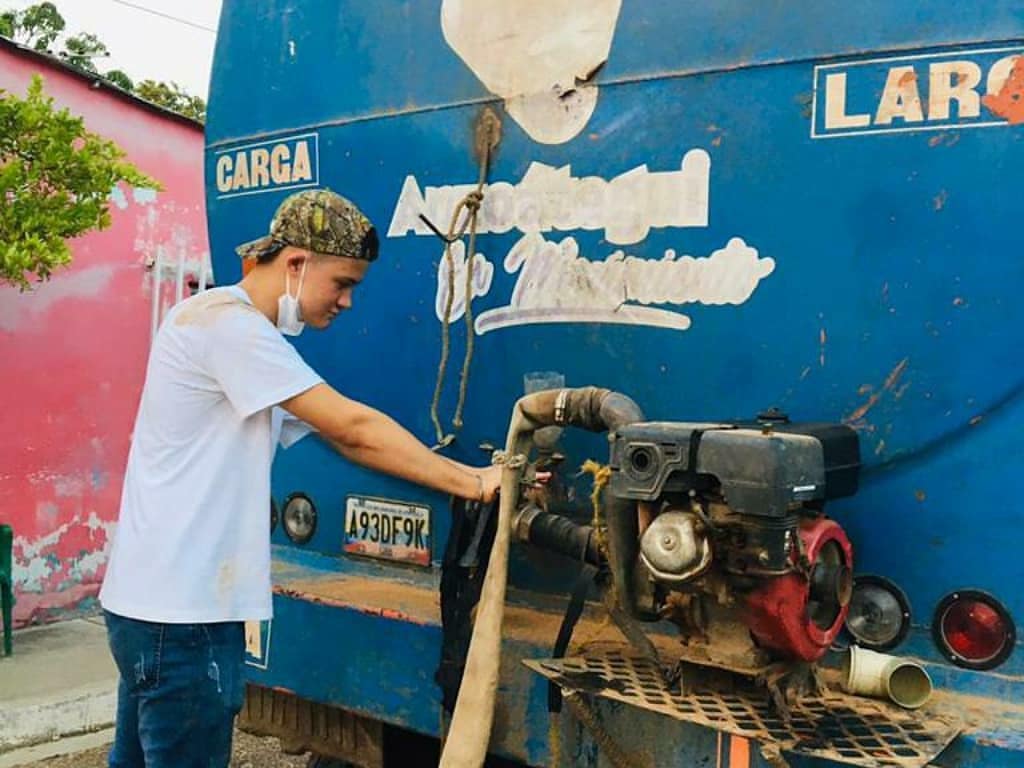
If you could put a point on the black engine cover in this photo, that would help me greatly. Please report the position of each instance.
(763, 467)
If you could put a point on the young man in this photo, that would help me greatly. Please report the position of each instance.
(191, 556)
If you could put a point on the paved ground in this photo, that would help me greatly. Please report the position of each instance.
(60, 680)
(250, 752)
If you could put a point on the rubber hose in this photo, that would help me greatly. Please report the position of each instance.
(587, 407)
(557, 533)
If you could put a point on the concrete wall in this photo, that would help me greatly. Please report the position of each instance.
(74, 349)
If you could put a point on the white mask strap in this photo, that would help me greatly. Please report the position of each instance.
(288, 282)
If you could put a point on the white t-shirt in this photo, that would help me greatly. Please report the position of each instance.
(193, 538)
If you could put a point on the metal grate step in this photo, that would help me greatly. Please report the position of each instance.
(845, 729)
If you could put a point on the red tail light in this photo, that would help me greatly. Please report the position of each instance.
(973, 630)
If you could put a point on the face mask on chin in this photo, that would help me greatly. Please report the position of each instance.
(289, 316)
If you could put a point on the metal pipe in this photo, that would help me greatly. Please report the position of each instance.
(203, 267)
(179, 287)
(154, 323)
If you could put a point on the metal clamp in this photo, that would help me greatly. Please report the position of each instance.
(560, 402)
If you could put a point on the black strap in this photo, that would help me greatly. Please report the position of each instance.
(589, 574)
(472, 533)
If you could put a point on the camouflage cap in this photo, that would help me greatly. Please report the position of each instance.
(317, 220)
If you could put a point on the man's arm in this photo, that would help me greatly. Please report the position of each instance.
(375, 440)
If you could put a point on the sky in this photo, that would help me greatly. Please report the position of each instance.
(142, 43)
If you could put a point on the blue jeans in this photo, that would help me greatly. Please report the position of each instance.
(181, 687)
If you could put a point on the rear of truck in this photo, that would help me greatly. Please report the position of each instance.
(787, 234)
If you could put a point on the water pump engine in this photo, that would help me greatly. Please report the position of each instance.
(720, 528)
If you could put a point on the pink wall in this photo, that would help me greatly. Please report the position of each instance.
(74, 349)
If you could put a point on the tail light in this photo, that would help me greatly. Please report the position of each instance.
(973, 629)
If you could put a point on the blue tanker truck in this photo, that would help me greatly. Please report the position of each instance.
(743, 278)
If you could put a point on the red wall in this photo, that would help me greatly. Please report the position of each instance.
(74, 349)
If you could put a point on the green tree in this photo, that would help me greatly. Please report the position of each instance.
(80, 50)
(37, 27)
(55, 184)
(171, 96)
(120, 79)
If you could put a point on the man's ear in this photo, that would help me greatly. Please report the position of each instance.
(294, 260)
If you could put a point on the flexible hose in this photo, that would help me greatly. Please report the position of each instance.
(470, 731)
(590, 408)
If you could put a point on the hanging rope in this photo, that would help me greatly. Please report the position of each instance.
(487, 139)
(601, 474)
(472, 203)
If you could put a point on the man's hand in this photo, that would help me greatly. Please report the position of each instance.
(490, 483)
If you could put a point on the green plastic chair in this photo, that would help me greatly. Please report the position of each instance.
(6, 584)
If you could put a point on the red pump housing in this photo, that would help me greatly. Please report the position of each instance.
(779, 612)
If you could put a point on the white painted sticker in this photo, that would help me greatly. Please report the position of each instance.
(538, 55)
(555, 284)
(554, 281)
(483, 274)
(257, 643)
(980, 88)
(291, 162)
(547, 198)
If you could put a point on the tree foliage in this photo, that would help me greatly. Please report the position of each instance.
(120, 79)
(80, 50)
(36, 27)
(55, 182)
(173, 97)
(39, 26)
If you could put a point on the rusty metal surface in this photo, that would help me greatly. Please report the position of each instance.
(304, 726)
(836, 727)
(420, 604)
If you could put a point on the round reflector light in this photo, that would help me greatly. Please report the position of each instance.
(299, 518)
(879, 616)
(973, 629)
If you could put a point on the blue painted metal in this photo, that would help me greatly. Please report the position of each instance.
(893, 303)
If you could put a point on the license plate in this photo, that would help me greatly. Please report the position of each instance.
(390, 530)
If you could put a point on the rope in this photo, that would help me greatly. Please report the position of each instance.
(471, 203)
(772, 755)
(601, 474)
(555, 739)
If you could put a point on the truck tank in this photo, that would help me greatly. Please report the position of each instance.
(715, 209)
